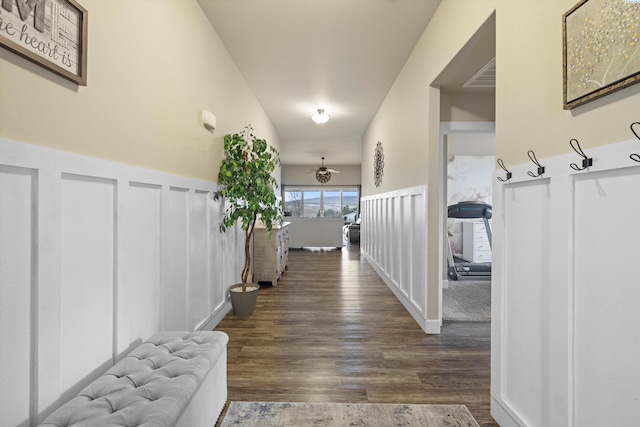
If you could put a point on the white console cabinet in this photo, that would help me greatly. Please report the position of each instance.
(270, 255)
(475, 242)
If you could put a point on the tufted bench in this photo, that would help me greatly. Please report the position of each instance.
(173, 379)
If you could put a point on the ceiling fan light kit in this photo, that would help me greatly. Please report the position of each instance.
(320, 117)
(323, 174)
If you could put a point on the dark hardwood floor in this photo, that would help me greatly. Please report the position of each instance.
(332, 331)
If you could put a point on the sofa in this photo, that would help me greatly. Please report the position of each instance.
(315, 232)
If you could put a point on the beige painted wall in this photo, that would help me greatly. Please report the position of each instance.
(460, 107)
(471, 144)
(303, 175)
(152, 68)
(402, 123)
(528, 114)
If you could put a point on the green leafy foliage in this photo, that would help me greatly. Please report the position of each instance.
(249, 187)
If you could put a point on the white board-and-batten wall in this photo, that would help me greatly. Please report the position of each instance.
(393, 240)
(565, 285)
(95, 257)
(566, 291)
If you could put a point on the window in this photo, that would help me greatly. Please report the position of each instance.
(332, 203)
(313, 202)
(293, 202)
(350, 203)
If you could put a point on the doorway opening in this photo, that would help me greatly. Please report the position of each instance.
(468, 162)
(467, 144)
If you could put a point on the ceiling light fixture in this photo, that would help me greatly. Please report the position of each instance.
(320, 117)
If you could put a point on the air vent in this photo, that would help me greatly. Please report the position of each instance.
(486, 77)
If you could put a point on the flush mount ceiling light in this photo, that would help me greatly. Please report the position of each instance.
(320, 117)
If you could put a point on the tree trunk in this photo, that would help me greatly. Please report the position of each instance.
(247, 252)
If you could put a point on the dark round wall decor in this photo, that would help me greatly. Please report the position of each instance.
(378, 165)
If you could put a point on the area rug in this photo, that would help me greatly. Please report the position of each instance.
(467, 301)
(271, 414)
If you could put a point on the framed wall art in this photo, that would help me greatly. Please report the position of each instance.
(601, 49)
(51, 33)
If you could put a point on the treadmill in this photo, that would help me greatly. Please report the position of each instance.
(458, 268)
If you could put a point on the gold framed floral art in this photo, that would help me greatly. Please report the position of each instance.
(601, 49)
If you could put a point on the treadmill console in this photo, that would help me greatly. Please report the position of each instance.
(469, 210)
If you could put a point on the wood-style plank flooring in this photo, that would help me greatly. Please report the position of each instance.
(332, 331)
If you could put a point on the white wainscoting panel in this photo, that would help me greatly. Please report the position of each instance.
(175, 259)
(139, 297)
(198, 300)
(418, 252)
(527, 281)
(224, 266)
(88, 266)
(18, 281)
(229, 252)
(565, 292)
(393, 241)
(606, 299)
(95, 257)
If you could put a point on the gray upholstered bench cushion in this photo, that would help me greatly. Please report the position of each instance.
(149, 387)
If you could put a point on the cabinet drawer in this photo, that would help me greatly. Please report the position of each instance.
(481, 246)
(481, 237)
(270, 254)
(480, 229)
(475, 242)
(482, 256)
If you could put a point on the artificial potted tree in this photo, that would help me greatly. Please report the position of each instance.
(248, 187)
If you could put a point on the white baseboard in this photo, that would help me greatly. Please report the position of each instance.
(429, 326)
(433, 326)
(217, 317)
(503, 416)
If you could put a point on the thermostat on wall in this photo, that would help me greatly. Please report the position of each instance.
(208, 120)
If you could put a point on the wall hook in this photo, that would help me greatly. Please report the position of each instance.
(509, 174)
(635, 157)
(532, 156)
(586, 161)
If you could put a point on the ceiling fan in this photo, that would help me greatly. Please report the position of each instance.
(323, 174)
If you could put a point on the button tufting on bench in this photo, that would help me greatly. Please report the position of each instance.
(150, 386)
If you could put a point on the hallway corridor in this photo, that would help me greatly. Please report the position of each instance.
(331, 331)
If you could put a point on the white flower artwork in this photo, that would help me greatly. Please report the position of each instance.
(468, 179)
(602, 49)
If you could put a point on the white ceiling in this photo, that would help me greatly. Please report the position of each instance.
(301, 55)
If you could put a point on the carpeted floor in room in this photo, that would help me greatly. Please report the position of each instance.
(467, 301)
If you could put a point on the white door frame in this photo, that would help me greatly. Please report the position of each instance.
(448, 128)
